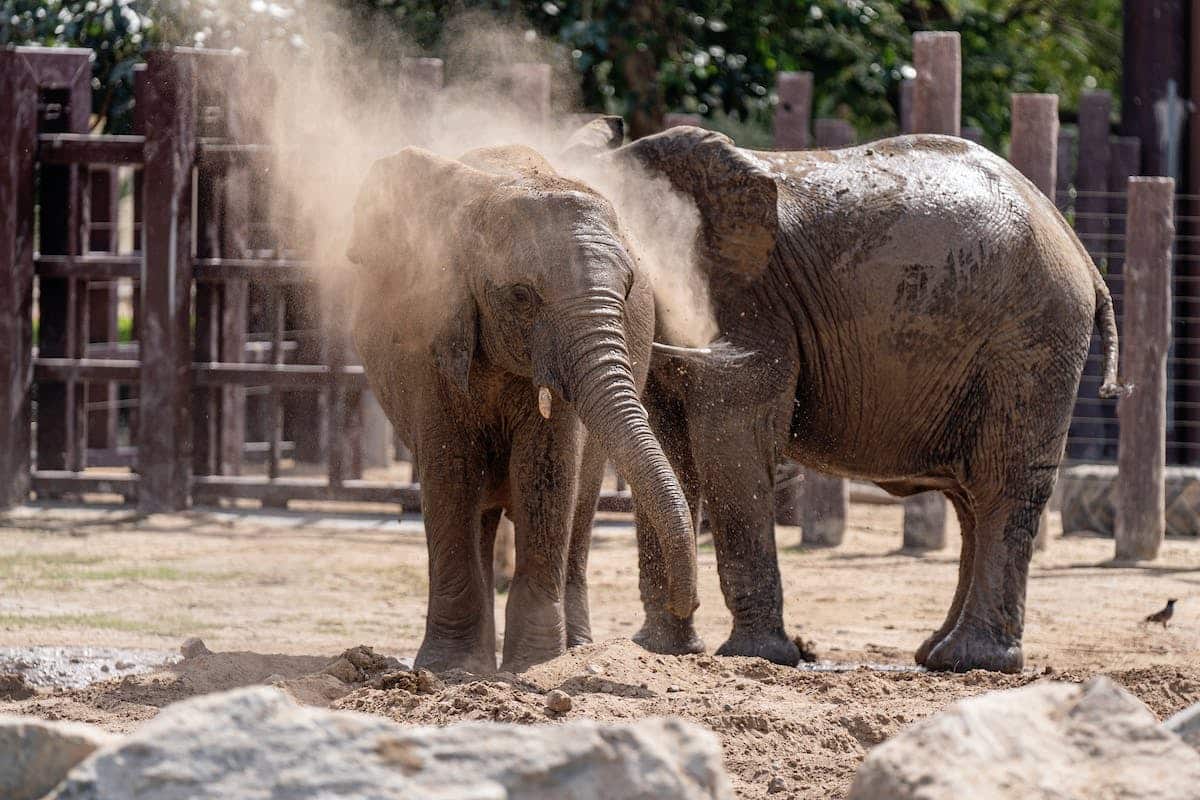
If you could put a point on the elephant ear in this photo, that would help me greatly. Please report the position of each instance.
(735, 194)
(415, 229)
(600, 134)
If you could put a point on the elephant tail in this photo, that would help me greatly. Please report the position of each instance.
(1106, 323)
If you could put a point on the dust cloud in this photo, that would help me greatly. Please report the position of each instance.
(354, 92)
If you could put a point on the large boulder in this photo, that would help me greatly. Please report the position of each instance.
(256, 742)
(1187, 725)
(1044, 741)
(35, 754)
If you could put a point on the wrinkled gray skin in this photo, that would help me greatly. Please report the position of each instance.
(913, 312)
(480, 282)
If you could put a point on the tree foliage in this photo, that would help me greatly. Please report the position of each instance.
(640, 58)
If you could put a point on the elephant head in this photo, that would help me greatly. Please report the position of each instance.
(496, 259)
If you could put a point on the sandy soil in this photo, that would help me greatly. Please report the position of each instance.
(306, 587)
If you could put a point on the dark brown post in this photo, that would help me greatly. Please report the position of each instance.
(794, 110)
(164, 440)
(1141, 454)
(18, 145)
(1034, 149)
(908, 89)
(675, 119)
(235, 243)
(1123, 163)
(831, 133)
(937, 108)
(64, 83)
(825, 502)
(1154, 74)
(937, 99)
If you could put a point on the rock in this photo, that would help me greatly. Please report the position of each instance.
(124, 665)
(194, 648)
(558, 701)
(1186, 724)
(776, 785)
(360, 664)
(35, 754)
(13, 686)
(673, 689)
(255, 742)
(420, 681)
(1047, 740)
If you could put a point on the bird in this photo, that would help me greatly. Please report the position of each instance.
(1163, 616)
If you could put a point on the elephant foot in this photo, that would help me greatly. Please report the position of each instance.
(669, 636)
(775, 647)
(441, 659)
(523, 661)
(578, 638)
(932, 641)
(963, 650)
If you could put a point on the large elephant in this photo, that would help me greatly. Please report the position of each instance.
(912, 312)
(498, 311)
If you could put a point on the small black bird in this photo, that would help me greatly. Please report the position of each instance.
(1163, 616)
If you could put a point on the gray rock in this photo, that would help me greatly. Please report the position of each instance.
(558, 701)
(1186, 724)
(194, 647)
(1047, 740)
(35, 754)
(256, 742)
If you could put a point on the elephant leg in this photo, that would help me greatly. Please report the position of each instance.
(591, 476)
(544, 481)
(662, 631)
(736, 459)
(988, 632)
(460, 628)
(966, 565)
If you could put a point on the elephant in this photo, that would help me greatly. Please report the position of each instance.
(505, 325)
(912, 312)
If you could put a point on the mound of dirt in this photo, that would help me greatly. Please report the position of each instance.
(785, 731)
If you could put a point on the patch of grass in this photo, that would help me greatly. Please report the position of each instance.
(35, 569)
(165, 626)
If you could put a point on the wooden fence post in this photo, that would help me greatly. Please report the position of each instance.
(18, 144)
(937, 108)
(1034, 149)
(831, 133)
(908, 88)
(794, 109)
(937, 98)
(825, 501)
(165, 429)
(1067, 140)
(1146, 337)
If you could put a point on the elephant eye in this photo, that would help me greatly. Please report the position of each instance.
(522, 295)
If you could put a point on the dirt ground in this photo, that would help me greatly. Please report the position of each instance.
(279, 595)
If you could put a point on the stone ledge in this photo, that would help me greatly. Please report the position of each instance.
(1088, 495)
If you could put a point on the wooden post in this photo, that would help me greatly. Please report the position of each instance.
(831, 133)
(937, 108)
(235, 243)
(165, 430)
(64, 82)
(1154, 75)
(1034, 149)
(103, 322)
(1123, 163)
(1141, 454)
(529, 89)
(794, 109)
(937, 99)
(18, 145)
(826, 500)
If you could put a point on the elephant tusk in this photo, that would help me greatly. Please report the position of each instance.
(676, 350)
(544, 402)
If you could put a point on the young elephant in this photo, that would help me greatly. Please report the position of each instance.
(498, 311)
(916, 313)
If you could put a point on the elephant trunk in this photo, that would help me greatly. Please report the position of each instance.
(597, 379)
